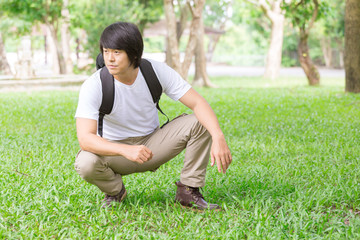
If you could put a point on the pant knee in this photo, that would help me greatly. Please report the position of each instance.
(85, 164)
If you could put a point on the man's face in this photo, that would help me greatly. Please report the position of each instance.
(117, 61)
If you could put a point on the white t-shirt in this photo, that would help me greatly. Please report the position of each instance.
(134, 113)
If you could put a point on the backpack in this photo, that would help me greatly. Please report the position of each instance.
(108, 90)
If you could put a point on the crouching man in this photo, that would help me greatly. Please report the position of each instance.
(132, 140)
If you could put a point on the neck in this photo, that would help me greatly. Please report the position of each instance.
(128, 77)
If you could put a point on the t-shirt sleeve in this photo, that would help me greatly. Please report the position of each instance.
(174, 86)
(90, 97)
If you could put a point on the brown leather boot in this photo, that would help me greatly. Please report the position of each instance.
(191, 197)
(108, 200)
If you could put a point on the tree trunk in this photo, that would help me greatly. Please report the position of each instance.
(309, 68)
(201, 77)
(52, 50)
(59, 51)
(341, 59)
(65, 37)
(196, 12)
(214, 38)
(213, 41)
(4, 64)
(352, 46)
(274, 55)
(327, 51)
(173, 44)
(23, 67)
(172, 49)
(340, 47)
(168, 55)
(181, 25)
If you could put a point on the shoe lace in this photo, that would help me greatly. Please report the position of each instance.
(196, 192)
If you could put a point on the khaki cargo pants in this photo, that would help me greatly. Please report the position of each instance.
(183, 132)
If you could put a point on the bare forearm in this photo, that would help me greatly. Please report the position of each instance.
(98, 145)
(220, 152)
(207, 118)
(89, 141)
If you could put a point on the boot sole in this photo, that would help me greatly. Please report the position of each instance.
(194, 209)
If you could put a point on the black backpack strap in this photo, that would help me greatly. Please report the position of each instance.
(108, 90)
(153, 84)
(100, 61)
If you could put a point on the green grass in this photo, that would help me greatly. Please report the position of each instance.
(295, 171)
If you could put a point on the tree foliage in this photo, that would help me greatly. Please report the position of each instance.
(34, 10)
(303, 15)
(301, 12)
(18, 16)
(94, 16)
(40, 11)
(216, 12)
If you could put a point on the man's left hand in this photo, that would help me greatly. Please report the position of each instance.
(220, 153)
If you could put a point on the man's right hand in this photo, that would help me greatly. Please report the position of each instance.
(137, 153)
(89, 141)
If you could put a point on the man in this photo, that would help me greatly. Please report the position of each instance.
(132, 140)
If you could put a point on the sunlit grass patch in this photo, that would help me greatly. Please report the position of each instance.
(295, 172)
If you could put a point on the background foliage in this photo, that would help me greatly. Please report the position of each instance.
(247, 30)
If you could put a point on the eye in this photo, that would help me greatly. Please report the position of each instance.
(105, 50)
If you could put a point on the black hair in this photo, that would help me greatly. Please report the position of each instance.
(124, 36)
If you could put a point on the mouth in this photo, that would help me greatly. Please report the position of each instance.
(111, 66)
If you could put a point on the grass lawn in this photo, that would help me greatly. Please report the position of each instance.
(295, 171)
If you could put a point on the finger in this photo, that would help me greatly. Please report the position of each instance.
(138, 160)
(144, 157)
(212, 160)
(151, 155)
(227, 161)
(230, 157)
(148, 153)
(224, 165)
(147, 150)
(218, 163)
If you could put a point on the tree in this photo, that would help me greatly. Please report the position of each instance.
(196, 35)
(352, 46)
(331, 31)
(40, 11)
(65, 36)
(93, 16)
(14, 28)
(4, 64)
(152, 10)
(201, 77)
(303, 14)
(273, 11)
(180, 27)
(216, 15)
